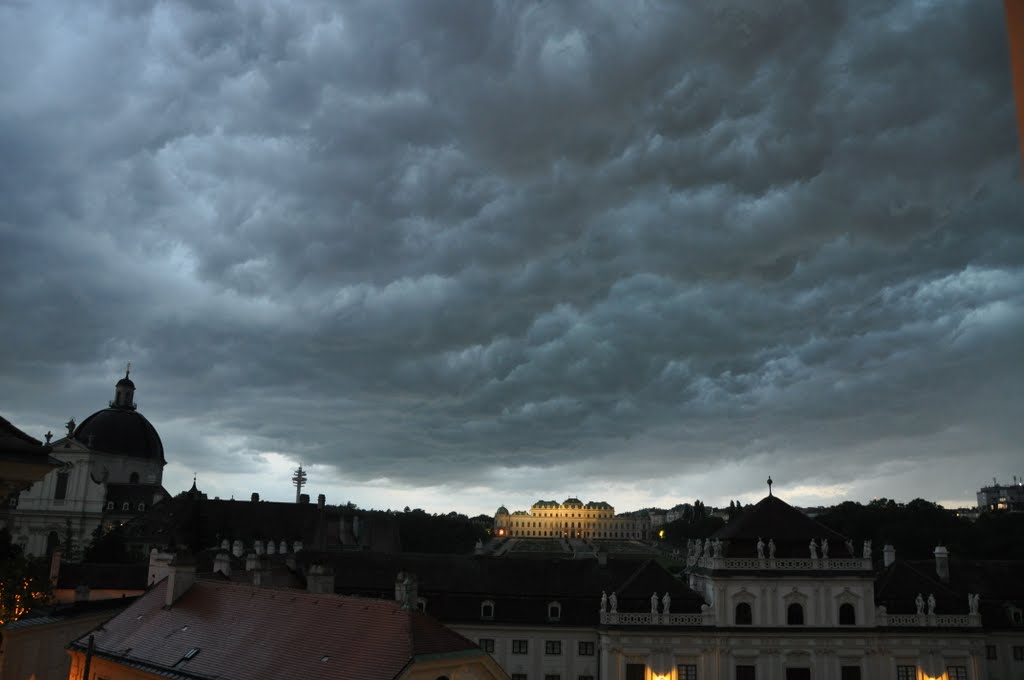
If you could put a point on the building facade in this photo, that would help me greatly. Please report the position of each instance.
(110, 465)
(570, 519)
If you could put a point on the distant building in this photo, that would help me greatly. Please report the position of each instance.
(570, 519)
(1002, 496)
(110, 464)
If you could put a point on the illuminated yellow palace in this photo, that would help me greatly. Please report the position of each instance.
(570, 519)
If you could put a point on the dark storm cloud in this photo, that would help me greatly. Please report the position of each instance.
(428, 241)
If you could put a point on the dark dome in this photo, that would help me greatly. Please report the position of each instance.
(122, 431)
(126, 382)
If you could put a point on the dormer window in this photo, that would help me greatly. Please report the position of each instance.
(142, 507)
(554, 611)
(487, 610)
(125, 506)
(110, 505)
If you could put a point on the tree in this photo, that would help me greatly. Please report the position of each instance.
(24, 583)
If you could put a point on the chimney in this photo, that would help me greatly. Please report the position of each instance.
(321, 501)
(81, 593)
(222, 563)
(255, 498)
(888, 554)
(320, 579)
(181, 577)
(303, 499)
(942, 563)
(406, 590)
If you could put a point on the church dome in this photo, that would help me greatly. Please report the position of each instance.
(122, 431)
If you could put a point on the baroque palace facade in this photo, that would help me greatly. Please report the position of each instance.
(570, 519)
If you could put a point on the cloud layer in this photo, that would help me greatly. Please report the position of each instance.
(651, 251)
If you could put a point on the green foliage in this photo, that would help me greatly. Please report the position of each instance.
(451, 533)
(24, 582)
(915, 528)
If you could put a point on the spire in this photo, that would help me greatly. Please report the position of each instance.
(769, 485)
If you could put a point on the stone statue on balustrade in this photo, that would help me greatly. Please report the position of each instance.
(654, 603)
(867, 548)
(849, 547)
(707, 547)
(666, 603)
(824, 548)
(760, 548)
(604, 602)
(614, 601)
(771, 548)
(814, 549)
(919, 603)
(973, 600)
(931, 604)
(717, 547)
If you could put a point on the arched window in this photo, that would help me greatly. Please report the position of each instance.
(847, 615)
(134, 479)
(110, 505)
(487, 610)
(142, 507)
(744, 614)
(554, 611)
(125, 506)
(795, 614)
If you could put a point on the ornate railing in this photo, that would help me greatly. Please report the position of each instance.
(924, 620)
(790, 564)
(649, 619)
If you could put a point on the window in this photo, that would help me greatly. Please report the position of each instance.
(990, 652)
(487, 610)
(61, 492)
(554, 611)
(744, 614)
(125, 506)
(849, 673)
(586, 648)
(688, 671)
(520, 646)
(798, 674)
(585, 677)
(906, 672)
(1018, 653)
(110, 505)
(553, 647)
(134, 479)
(487, 644)
(13, 502)
(956, 672)
(142, 506)
(552, 676)
(745, 673)
(519, 676)
(635, 671)
(795, 614)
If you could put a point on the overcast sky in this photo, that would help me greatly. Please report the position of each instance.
(458, 254)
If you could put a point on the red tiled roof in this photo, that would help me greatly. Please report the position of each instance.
(243, 631)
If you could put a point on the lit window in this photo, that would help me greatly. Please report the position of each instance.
(520, 646)
(553, 647)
